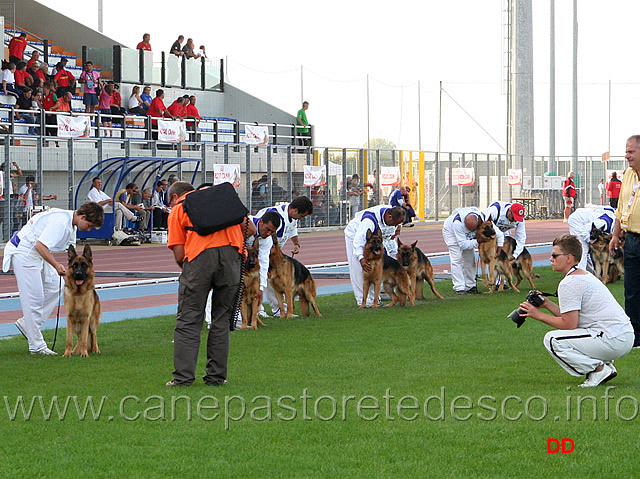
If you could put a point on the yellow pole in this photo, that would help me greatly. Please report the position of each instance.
(421, 186)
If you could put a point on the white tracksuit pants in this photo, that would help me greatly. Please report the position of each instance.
(463, 263)
(40, 288)
(121, 211)
(355, 273)
(580, 353)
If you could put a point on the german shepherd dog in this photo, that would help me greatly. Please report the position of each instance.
(289, 277)
(250, 304)
(487, 241)
(374, 254)
(82, 304)
(418, 267)
(505, 265)
(395, 277)
(522, 265)
(608, 268)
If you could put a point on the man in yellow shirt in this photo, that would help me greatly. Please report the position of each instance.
(629, 221)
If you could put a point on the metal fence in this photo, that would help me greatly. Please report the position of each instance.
(57, 171)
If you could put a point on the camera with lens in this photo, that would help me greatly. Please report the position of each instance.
(535, 298)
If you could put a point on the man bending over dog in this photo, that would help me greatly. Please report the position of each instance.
(459, 233)
(210, 262)
(580, 223)
(507, 217)
(37, 271)
(385, 218)
(592, 328)
(289, 214)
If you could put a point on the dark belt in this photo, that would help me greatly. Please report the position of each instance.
(15, 239)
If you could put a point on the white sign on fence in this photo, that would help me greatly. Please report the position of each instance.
(256, 135)
(169, 130)
(226, 174)
(314, 175)
(72, 126)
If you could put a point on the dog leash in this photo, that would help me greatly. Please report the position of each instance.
(55, 336)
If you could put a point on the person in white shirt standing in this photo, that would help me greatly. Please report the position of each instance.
(29, 253)
(459, 233)
(98, 196)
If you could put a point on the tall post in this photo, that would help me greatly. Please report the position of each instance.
(368, 125)
(574, 143)
(301, 85)
(552, 88)
(100, 24)
(419, 120)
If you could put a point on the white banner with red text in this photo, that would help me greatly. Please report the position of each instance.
(256, 135)
(226, 174)
(460, 176)
(314, 175)
(73, 126)
(169, 130)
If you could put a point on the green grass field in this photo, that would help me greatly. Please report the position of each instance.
(444, 389)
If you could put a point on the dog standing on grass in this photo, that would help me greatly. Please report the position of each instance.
(250, 304)
(394, 277)
(81, 303)
(374, 255)
(487, 244)
(522, 265)
(290, 278)
(418, 267)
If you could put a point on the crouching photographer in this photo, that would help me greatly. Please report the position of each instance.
(592, 328)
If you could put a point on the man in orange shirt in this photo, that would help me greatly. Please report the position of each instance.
(209, 262)
(144, 44)
(16, 48)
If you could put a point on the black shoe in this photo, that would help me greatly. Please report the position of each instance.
(173, 383)
(461, 293)
(473, 290)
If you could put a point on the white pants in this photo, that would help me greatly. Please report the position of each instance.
(355, 273)
(463, 263)
(207, 311)
(580, 353)
(579, 230)
(121, 211)
(40, 288)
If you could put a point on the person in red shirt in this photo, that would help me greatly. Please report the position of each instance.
(193, 114)
(613, 190)
(176, 109)
(64, 80)
(40, 73)
(158, 110)
(116, 101)
(16, 48)
(23, 79)
(35, 57)
(569, 194)
(144, 44)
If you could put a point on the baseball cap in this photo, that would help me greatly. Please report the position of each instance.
(517, 210)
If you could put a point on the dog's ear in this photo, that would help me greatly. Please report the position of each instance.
(71, 252)
(398, 241)
(87, 252)
(413, 245)
(369, 235)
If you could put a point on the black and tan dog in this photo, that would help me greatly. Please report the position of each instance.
(250, 304)
(522, 265)
(418, 267)
(290, 278)
(394, 277)
(374, 254)
(505, 265)
(487, 241)
(81, 303)
(608, 268)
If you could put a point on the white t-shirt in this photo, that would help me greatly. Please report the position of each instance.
(52, 228)
(133, 102)
(8, 76)
(599, 312)
(97, 195)
(29, 198)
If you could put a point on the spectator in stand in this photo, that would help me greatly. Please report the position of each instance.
(188, 49)
(16, 48)
(33, 70)
(176, 109)
(202, 52)
(116, 101)
(259, 195)
(36, 98)
(49, 99)
(97, 195)
(354, 193)
(30, 195)
(146, 98)
(161, 208)
(9, 81)
(43, 72)
(105, 107)
(124, 198)
(23, 79)
(135, 102)
(303, 124)
(144, 44)
(193, 114)
(24, 103)
(90, 80)
(601, 189)
(63, 80)
(176, 48)
(613, 190)
(569, 195)
(158, 110)
(278, 194)
(35, 57)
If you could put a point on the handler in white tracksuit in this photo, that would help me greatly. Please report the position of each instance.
(37, 272)
(461, 242)
(386, 218)
(580, 223)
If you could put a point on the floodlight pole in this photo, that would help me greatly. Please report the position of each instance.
(419, 120)
(100, 16)
(368, 124)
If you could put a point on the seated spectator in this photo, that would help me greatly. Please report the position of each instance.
(158, 110)
(146, 98)
(116, 101)
(97, 195)
(49, 98)
(64, 103)
(176, 48)
(32, 70)
(124, 198)
(35, 57)
(176, 109)
(23, 79)
(24, 103)
(9, 81)
(43, 72)
(202, 53)
(135, 102)
(144, 44)
(105, 108)
(188, 49)
(16, 48)
(63, 80)
(90, 80)
(36, 100)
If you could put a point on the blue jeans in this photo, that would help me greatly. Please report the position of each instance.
(632, 281)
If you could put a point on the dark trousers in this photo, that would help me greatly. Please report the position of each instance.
(613, 202)
(216, 269)
(632, 281)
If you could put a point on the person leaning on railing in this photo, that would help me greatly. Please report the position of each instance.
(49, 99)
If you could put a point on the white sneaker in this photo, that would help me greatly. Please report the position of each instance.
(20, 325)
(596, 378)
(45, 352)
(263, 314)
